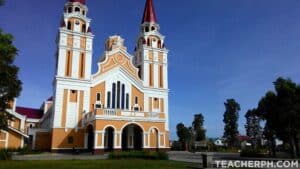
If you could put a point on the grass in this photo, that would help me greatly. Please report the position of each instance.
(96, 164)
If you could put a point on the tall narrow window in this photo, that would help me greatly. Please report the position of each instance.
(68, 64)
(70, 10)
(108, 99)
(118, 94)
(159, 44)
(69, 25)
(98, 96)
(123, 97)
(148, 42)
(83, 28)
(151, 74)
(98, 99)
(127, 101)
(140, 72)
(82, 63)
(114, 96)
(161, 76)
(136, 100)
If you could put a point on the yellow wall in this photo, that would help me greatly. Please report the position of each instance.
(100, 124)
(60, 138)
(100, 88)
(43, 141)
(137, 93)
(153, 138)
(14, 140)
(64, 108)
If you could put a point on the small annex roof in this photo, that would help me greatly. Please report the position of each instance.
(30, 112)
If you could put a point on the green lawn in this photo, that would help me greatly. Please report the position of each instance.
(96, 164)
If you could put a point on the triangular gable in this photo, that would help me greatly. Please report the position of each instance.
(115, 59)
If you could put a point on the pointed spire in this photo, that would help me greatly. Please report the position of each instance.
(80, 1)
(149, 13)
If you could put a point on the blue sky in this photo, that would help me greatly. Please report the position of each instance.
(218, 49)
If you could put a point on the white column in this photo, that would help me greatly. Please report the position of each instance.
(115, 139)
(85, 140)
(95, 140)
(165, 75)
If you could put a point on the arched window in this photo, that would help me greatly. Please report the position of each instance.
(77, 9)
(70, 10)
(83, 12)
(152, 28)
(69, 25)
(146, 29)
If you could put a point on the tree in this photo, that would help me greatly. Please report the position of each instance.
(2, 2)
(281, 110)
(267, 107)
(253, 128)
(10, 85)
(184, 135)
(231, 116)
(198, 128)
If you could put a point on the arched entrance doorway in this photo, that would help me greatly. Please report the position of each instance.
(132, 137)
(109, 138)
(90, 131)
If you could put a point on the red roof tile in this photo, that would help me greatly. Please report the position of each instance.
(149, 12)
(80, 1)
(30, 112)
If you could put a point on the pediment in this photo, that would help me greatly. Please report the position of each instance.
(115, 59)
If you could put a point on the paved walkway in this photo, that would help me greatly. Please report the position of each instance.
(185, 156)
(55, 156)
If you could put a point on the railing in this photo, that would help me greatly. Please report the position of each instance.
(88, 117)
(110, 112)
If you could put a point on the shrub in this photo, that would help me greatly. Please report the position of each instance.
(252, 153)
(139, 155)
(5, 154)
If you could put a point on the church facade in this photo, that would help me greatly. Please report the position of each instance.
(123, 106)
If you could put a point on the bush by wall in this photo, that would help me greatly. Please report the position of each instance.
(5, 154)
(139, 155)
(252, 153)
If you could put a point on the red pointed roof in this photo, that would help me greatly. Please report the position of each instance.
(149, 12)
(50, 98)
(30, 112)
(80, 1)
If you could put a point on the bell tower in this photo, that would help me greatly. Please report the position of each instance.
(73, 66)
(74, 56)
(151, 56)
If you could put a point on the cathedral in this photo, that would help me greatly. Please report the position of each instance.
(122, 106)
